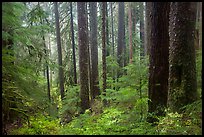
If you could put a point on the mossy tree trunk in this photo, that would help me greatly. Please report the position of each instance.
(73, 45)
(182, 66)
(83, 55)
(147, 27)
(130, 32)
(121, 38)
(158, 69)
(59, 49)
(94, 50)
(104, 48)
(142, 48)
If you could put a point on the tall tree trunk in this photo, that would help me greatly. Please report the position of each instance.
(130, 32)
(182, 66)
(47, 69)
(49, 45)
(89, 51)
(142, 48)
(125, 57)
(121, 24)
(158, 69)
(104, 48)
(133, 20)
(59, 49)
(94, 50)
(113, 47)
(147, 27)
(112, 28)
(107, 33)
(83, 55)
(73, 45)
(200, 24)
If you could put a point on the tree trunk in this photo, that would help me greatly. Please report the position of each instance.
(112, 29)
(182, 66)
(73, 45)
(49, 57)
(200, 24)
(94, 49)
(47, 69)
(59, 49)
(147, 27)
(158, 69)
(83, 55)
(107, 34)
(121, 33)
(104, 48)
(130, 32)
(142, 48)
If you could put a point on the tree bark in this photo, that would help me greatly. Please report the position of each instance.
(83, 55)
(147, 27)
(182, 66)
(130, 32)
(73, 46)
(107, 33)
(61, 73)
(142, 48)
(104, 48)
(112, 29)
(121, 33)
(158, 69)
(94, 50)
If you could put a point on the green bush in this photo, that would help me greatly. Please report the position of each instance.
(40, 125)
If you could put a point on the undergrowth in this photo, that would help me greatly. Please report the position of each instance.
(125, 115)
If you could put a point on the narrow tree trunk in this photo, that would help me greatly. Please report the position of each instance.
(125, 57)
(200, 29)
(112, 29)
(50, 56)
(107, 33)
(104, 48)
(120, 50)
(94, 50)
(59, 49)
(113, 47)
(158, 69)
(182, 65)
(47, 69)
(83, 55)
(130, 32)
(142, 48)
(147, 28)
(89, 55)
(73, 46)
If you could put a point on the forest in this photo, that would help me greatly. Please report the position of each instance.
(101, 68)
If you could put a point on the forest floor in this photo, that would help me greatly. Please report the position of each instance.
(114, 120)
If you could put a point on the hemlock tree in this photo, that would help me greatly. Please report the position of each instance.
(182, 66)
(107, 34)
(121, 37)
(142, 46)
(59, 49)
(73, 45)
(158, 69)
(46, 69)
(147, 27)
(104, 4)
(112, 28)
(83, 55)
(130, 32)
(94, 50)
